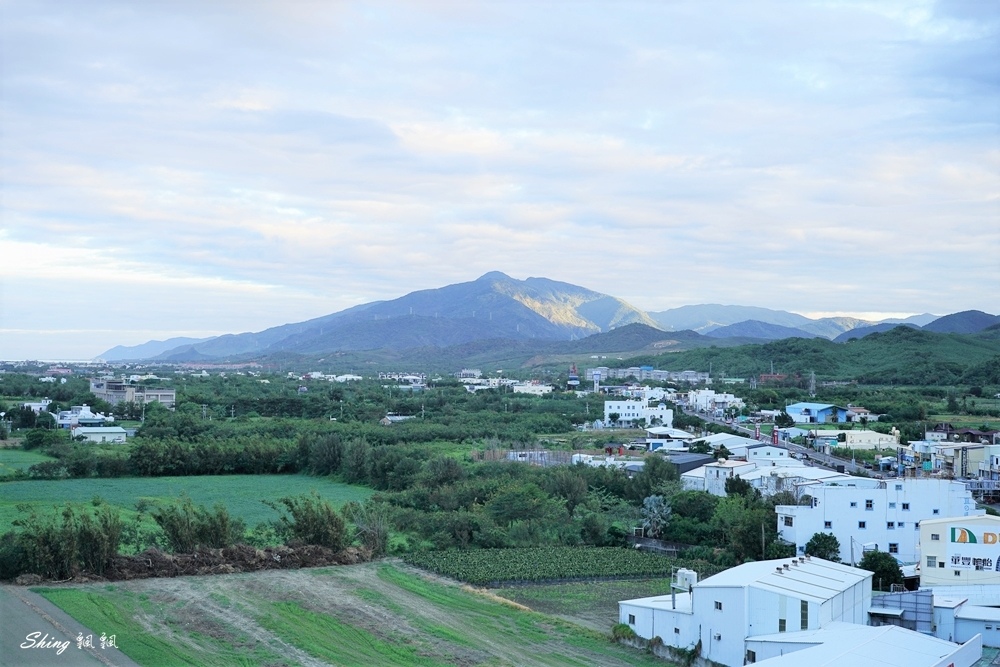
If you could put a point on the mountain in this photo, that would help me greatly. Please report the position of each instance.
(967, 321)
(706, 317)
(493, 306)
(148, 349)
(861, 332)
(760, 331)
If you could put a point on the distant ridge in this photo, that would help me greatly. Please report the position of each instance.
(967, 321)
(149, 349)
(759, 330)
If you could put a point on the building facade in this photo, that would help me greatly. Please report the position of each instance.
(886, 518)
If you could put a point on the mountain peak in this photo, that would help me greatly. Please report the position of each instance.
(494, 276)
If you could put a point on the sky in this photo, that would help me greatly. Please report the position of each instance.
(190, 168)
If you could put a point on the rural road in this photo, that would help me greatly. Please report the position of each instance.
(23, 614)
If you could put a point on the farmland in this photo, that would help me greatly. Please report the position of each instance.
(241, 494)
(372, 614)
(491, 567)
(12, 460)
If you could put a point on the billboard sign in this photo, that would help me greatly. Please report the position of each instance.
(973, 549)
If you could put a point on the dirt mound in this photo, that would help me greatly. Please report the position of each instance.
(239, 558)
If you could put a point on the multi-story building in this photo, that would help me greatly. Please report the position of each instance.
(638, 409)
(120, 391)
(886, 518)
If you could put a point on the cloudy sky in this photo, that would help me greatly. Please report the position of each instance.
(195, 168)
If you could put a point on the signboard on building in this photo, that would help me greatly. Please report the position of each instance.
(973, 549)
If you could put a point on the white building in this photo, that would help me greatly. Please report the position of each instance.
(533, 388)
(886, 518)
(861, 439)
(706, 400)
(100, 434)
(638, 409)
(755, 599)
(851, 645)
(768, 477)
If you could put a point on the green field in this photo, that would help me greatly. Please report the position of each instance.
(12, 460)
(241, 494)
(589, 603)
(371, 614)
(490, 567)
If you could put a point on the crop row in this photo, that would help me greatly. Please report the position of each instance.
(485, 567)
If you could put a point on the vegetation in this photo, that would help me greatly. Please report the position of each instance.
(824, 545)
(493, 567)
(885, 568)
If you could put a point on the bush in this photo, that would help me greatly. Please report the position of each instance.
(188, 527)
(312, 521)
(80, 539)
(622, 631)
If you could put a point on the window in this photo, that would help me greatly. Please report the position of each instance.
(804, 613)
(677, 631)
(752, 656)
(892, 506)
(958, 573)
(869, 504)
(631, 619)
(718, 605)
(941, 564)
(906, 507)
(899, 487)
(935, 511)
(931, 561)
(781, 625)
(890, 525)
(827, 525)
(854, 504)
(787, 520)
(862, 524)
(935, 537)
(894, 547)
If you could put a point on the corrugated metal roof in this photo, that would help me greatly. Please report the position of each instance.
(850, 645)
(812, 579)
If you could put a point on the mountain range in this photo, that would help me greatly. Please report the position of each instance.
(505, 312)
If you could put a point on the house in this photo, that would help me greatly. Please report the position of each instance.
(707, 401)
(532, 388)
(100, 434)
(773, 597)
(886, 517)
(38, 407)
(816, 413)
(81, 415)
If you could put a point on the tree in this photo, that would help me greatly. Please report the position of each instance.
(614, 417)
(885, 568)
(656, 515)
(783, 420)
(825, 546)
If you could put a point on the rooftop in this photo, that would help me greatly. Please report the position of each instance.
(812, 579)
(849, 645)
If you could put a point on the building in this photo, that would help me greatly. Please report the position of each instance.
(816, 413)
(960, 550)
(884, 518)
(533, 388)
(858, 439)
(120, 391)
(100, 434)
(724, 612)
(81, 415)
(630, 410)
(647, 373)
(707, 401)
(850, 645)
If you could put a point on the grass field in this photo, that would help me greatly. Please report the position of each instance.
(18, 459)
(241, 494)
(589, 604)
(372, 614)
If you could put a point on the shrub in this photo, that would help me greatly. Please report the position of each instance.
(312, 520)
(188, 527)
